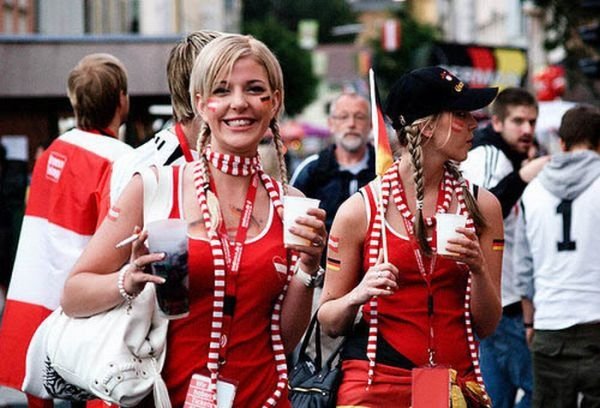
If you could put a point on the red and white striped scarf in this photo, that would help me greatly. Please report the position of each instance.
(239, 166)
(389, 183)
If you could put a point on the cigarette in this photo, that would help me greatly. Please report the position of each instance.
(128, 240)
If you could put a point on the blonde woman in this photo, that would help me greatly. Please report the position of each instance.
(237, 88)
(418, 309)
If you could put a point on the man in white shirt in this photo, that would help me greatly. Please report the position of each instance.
(499, 162)
(557, 264)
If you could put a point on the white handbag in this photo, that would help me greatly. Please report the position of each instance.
(116, 355)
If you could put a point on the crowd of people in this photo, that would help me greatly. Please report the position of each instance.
(520, 274)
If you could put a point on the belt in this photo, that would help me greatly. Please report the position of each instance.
(514, 309)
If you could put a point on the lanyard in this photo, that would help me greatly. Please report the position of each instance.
(185, 147)
(425, 274)
(232, 252)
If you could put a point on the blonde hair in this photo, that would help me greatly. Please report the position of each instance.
(179, 67)
(411, 135)
(215, 61)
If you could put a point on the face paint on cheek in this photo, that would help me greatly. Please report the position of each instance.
(212, 105)
(458, 124)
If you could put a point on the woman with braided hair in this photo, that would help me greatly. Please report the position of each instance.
(420, 311)
(241, 289)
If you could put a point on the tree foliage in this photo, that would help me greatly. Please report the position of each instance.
(299, 81)
(563, 18)
(329, 14)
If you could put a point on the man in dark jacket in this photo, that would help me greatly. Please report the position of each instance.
(498, 161)
(340, 170)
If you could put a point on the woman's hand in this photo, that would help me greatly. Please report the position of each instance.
(312, 228)
(467, 250)
(380, 280)
(139, 272)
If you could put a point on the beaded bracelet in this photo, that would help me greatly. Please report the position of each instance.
(120, 284)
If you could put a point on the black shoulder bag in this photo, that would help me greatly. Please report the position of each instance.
(312, 385)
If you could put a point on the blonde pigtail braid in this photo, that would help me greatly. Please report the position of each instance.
(413, 136)
(211, 199)
(203, 141)
(470, 201)
(274, 125)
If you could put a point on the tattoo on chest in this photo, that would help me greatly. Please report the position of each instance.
(237, 212)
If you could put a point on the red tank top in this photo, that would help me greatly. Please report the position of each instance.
(249, 360)
(403, 320)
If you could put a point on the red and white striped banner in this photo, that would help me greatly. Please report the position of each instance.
(390, 36)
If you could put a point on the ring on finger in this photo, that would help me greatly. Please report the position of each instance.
(378, 274)
(317, 242)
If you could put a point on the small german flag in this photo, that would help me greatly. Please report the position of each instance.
(498, 245)
(333, 264)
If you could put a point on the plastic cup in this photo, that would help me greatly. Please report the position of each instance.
(294, 207)
(446, 229)
(170, 236)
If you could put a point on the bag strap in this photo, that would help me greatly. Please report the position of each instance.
(314, 325)
(158, 195)
(334, 355)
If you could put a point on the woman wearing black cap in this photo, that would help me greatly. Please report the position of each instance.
(420, 311)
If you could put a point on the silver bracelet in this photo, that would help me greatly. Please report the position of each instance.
(121, 285)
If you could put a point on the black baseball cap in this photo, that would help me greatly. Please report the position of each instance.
(430, 90)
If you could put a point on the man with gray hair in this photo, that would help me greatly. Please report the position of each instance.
(341, 169)
(338, 171)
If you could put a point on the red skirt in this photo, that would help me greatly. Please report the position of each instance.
(391, 386)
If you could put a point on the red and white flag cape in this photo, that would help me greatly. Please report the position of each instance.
(68, 194)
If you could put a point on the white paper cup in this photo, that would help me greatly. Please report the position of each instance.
(170, 236)
(446, 229)
(294, 207)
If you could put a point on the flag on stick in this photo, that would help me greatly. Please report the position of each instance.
(383, 151)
